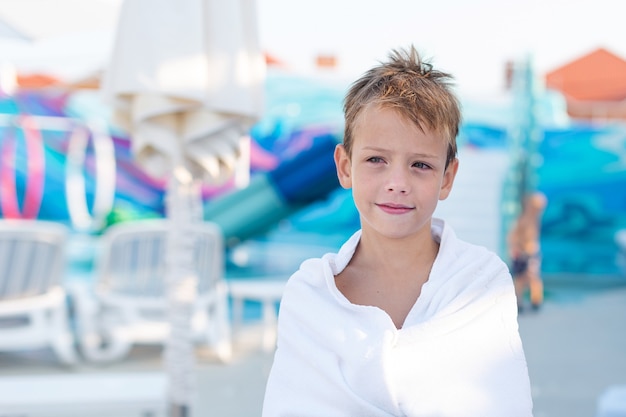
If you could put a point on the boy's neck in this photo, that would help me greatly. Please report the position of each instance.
(388, 273)
(417, 251)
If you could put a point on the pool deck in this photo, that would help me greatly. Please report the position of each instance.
(575, 347)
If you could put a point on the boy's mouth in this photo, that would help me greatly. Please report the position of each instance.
(393, 208)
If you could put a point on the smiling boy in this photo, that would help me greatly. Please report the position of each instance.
(406, 319)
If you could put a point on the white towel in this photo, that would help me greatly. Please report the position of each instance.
(458, 353)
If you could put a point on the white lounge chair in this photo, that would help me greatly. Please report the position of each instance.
(128, 303)
(33, 307)
(265, 291)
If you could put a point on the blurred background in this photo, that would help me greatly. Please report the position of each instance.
(543, 90)
(545, 78)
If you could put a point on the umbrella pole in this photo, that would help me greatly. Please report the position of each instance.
(184, 211)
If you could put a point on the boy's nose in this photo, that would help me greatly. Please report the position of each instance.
(398, 181)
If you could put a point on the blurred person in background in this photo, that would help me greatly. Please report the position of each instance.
(525, 251)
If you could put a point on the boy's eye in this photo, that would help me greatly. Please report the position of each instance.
(375, 159)
(420, 165)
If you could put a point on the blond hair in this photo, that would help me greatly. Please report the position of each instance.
(412, 87)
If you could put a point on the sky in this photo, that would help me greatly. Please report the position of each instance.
(472, 39)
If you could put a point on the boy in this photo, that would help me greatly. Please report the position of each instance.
(405, 320)
(525, 250)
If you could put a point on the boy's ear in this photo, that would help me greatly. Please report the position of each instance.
(448, 179)
(344, 166)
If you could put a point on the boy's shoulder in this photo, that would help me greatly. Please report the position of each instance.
(320, 269)
(462, 250)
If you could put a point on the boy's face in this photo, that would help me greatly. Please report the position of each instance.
(397, 173)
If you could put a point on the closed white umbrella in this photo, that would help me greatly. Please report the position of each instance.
(186, 81)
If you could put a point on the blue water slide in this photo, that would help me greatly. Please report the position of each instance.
(272, 196)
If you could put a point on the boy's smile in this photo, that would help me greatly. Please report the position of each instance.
(397, 172)
(393, 208)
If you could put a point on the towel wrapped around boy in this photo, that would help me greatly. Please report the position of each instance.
(458, 353)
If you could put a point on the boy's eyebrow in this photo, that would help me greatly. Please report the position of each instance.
(374, 148)
(418, 155)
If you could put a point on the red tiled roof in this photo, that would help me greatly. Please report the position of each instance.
(597, 76)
